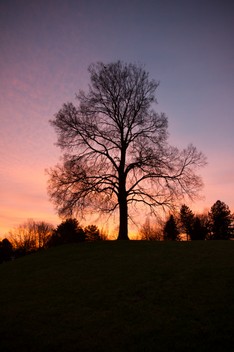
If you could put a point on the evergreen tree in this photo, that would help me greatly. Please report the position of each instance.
(69, 231)
(221, 221)
(199, 231)
(170, 230)
(187, 220)
(92, 233)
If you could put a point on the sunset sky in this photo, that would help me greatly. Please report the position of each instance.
(46, 47)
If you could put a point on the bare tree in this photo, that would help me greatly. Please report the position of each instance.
(116, 150)
(31, 235)
(44, 231)
(149, 232)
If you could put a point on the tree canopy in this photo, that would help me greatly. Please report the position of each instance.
(116, 150)
(221, 221)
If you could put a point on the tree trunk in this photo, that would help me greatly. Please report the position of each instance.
(123, 209)
(122, 197)
(123, 219)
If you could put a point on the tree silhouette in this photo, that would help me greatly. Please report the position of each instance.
(149, 232)
(69, 231)
(170, 230)
(30, 236)
(44, 231)
(187, 220)
(92, 233)
(199, 231)
(115, 147)
(221, 221)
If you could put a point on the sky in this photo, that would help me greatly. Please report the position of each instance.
(46, 47)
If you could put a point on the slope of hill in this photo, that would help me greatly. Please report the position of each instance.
(114, 296)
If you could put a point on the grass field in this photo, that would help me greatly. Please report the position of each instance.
(120, 296)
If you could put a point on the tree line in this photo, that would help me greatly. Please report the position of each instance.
(33, 236)
(217, 224)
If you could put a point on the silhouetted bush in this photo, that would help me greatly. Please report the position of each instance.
(6, 250)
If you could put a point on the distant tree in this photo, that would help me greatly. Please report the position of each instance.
(205, 222)
(6, 250)
(23, 238)
(116, 149)
(30, 236)
(187, 220)
(69, 231)
(199, 231)
(221, 221)
(92, 233)
(44, 231)
(148, 232)
(170, 230)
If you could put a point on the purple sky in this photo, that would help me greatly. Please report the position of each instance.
(46, 47)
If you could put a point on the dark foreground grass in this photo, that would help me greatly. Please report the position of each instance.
(112, 296)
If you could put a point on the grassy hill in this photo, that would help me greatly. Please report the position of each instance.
(114, 296)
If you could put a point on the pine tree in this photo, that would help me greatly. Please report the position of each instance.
(187, 220)
(221, 221)
(170, 230)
